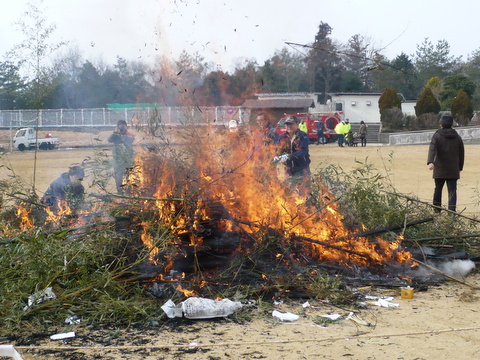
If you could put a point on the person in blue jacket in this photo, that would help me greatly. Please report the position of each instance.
(66, 190)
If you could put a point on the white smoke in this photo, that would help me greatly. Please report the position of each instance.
(456, 268)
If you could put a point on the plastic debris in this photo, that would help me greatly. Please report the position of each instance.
(332, 316)
(172, 310)
(306, 305)
(385, 302)
(357, 319)
(9, 350)
(73, 320)
(285, 316)
(201, 308)
(39, 297)
(62, 336)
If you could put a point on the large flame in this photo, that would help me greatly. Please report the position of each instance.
(229, 177)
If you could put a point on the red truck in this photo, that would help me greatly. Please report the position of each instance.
(329, 120)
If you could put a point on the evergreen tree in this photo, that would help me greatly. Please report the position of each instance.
(472, 71)
(11, 87)
(434, 60)
(284, 72)
(390, 106)
(462, 109)
(451, 86)
(323, 62)
(427, 103)
(388, 100)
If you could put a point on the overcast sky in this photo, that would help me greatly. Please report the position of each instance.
(227, 32)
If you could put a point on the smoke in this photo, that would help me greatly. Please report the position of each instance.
(456, 268)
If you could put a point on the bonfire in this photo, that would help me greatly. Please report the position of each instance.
(207, 213)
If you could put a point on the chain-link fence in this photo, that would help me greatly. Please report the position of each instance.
(219, 115)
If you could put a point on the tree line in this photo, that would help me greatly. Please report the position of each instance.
(324, 66)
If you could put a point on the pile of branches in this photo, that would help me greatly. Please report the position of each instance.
(104, 272)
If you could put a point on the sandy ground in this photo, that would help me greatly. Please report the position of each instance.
(440, 323)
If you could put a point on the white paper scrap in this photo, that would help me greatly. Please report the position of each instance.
(285, 316)
(332, 316)
(9, 350)
(385, 303)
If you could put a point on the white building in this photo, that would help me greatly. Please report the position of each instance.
(354, 106)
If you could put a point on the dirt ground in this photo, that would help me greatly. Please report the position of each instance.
(439, 323)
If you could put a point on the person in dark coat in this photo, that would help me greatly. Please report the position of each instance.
(65, 190)
(123, 154)
(363, 133)
(294, 152)
(446, 156)
(321, 138)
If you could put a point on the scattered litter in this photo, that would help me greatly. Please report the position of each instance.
(39, 297)
(406, 292)
(172, 310)
(285, 316)
(201, 308)
(9, 350)
(277, 303)
(62, 336)
(384, 302)
(332, 316)
(306, 305)
(73, 320)
(192, 346)
(355, 318)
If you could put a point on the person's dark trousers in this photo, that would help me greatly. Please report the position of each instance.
(364, 140)
(452, 193)
(340, 139)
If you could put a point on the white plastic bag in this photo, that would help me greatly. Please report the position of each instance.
(285, 316)
(201, 308)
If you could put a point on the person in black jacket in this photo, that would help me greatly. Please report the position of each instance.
(446, 156)
(65, 190)
(294, 152)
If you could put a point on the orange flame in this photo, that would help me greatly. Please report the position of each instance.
(187, 293)
(229, 178)
(24, 215)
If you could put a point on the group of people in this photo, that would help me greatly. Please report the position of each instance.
(346, 136)
(446, 157)
(68, 190)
